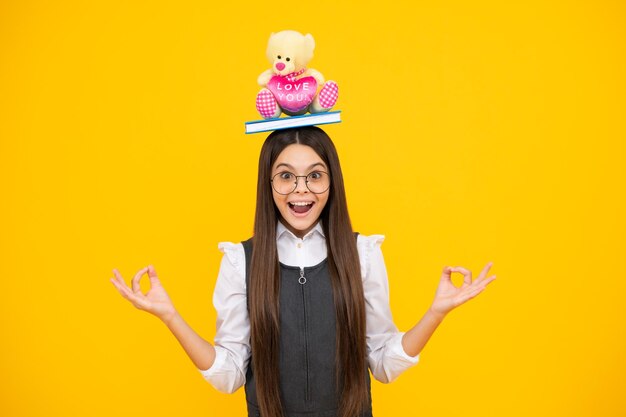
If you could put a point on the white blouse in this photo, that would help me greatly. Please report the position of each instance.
(385, 354)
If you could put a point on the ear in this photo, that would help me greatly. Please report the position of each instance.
(310, 42)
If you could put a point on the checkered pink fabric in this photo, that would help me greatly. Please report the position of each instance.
(266, 103)
(292, 77)
(329, 94)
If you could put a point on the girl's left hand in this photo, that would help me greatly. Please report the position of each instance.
(449, 296)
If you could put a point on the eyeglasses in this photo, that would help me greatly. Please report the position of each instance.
(286, 183)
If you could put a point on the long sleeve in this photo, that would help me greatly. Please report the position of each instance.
(386, 356)
(232, 337)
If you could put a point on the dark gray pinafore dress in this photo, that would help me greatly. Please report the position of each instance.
(307, 344)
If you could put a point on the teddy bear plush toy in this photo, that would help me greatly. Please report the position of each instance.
(289, 86)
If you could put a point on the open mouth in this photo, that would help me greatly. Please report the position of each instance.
(300, 208)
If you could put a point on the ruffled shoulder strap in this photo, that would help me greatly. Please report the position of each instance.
(235, 254)
(365, 246)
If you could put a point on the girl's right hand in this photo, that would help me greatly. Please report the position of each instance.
(155, 301)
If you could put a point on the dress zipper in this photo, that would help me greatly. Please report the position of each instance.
(302, 281)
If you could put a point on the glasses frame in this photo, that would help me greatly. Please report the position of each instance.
(306, 182)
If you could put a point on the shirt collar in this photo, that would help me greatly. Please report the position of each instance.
(281, 229)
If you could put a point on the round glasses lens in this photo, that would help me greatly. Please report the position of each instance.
(318, 182)
(284, 182)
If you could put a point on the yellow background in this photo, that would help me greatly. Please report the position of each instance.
(472, 132)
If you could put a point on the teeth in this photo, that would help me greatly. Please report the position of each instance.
(301, 203)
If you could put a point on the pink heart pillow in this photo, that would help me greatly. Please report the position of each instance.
(293, 96)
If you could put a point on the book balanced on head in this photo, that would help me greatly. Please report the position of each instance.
(277, 123)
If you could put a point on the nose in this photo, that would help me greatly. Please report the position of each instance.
(301, 185)
(280, 66)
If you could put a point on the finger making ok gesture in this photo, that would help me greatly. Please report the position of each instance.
(448, 296)
(155, 301)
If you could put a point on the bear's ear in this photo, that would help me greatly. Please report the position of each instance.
(308, 38)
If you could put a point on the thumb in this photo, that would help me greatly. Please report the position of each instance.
(154, 279)
(445, 274)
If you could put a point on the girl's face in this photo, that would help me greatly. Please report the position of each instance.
(300, 160)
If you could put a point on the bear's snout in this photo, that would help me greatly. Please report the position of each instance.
(280, 66)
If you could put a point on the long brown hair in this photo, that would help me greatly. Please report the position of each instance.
(345, 274)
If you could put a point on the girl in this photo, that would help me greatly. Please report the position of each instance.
(303, 306)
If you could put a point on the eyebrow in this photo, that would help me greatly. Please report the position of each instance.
(289, 166)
